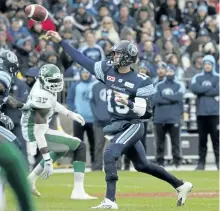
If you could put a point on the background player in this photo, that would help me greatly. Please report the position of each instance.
(127, 101)
(42, 103)
(11, 160)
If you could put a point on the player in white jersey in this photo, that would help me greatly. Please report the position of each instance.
(53, 144)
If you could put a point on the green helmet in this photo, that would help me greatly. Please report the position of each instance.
(50, 78)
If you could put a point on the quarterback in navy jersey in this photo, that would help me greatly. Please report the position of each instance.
(128, 101)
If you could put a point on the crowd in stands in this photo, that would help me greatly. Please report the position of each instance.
(176, 32)
(172, 36)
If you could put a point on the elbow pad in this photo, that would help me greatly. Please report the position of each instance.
(39, 134)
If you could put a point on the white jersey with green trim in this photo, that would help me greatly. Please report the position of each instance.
(38, 98)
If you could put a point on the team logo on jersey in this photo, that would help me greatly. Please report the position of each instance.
(120, 80)
(110, 78)
(167, 91)
(130, 85)
(206, 83)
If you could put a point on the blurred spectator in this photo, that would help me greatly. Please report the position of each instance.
(161, 72)
(4, 45)
(206, 86)
(145, 5)
(107, 30)
(16, 30)
(200, 16)
(33, 58)
(103, 11)
(169, 48)
(62, 5)
(167, 36)
(211, 48)
(173, 59)
(73, 72)
(195, 67)
(98, 103)
(124, 19)
(127, 33)
(163, 25)
(170, 9)
(168, 108)
(213, 29)
(73, 39)
(78, 100)
(146, 68)
(108, 4)
(189, 10)
(82, 20)
(91, 49)
(148, 53)
(23, 47)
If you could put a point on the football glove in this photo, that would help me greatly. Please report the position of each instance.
(48, 169)
(6, 121)
(76, 117)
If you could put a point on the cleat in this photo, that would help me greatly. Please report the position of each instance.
(35, 192)
(183, 191)
(83, 196)
(107, 204)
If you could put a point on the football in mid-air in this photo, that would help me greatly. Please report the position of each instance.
(36, 12)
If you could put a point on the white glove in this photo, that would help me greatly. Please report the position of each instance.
(48, 169)
(76, 117)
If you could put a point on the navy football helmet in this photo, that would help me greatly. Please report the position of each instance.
(9, 62)
(128, 51)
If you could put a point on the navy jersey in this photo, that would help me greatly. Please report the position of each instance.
(5, 80)
(130, 85)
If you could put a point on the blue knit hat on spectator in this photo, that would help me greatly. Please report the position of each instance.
(32, 72)
(202, 7)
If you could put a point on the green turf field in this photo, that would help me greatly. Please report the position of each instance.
(136, 192)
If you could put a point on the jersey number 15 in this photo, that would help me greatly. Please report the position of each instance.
(116, 106)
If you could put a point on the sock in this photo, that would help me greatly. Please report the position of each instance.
(14, 167)
(2, 195)
(111, 189)
(35, 174)
(79, 169)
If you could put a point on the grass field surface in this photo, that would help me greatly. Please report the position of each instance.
(135, 192)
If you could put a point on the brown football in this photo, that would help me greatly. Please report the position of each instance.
(36, 12)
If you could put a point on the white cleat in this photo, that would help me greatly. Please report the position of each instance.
(107, 204)
(81, 196)
(183, 192)
(35, 192)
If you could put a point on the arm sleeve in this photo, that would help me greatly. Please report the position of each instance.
(78, 57)
(196, 87)
(142, 101)
(71, 97)
(158, 99)
(214, 91)
(176, 97)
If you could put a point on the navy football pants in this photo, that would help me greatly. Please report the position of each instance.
(128, 142)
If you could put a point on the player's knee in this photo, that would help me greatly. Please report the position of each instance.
(141, 167)
(109, 157)
(81, 148)
(80, 152)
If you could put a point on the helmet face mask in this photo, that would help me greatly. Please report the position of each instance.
(50, 78)
(9, 62)
(123, 54)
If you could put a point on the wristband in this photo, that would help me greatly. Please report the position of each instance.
(46, 156)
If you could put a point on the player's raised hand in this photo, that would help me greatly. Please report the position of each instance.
(53, 36)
